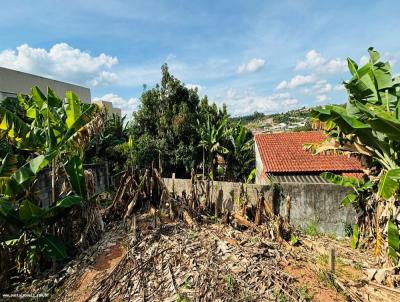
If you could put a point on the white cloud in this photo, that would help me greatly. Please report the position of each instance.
(296, 81)
(194, 87)
(334, 66)
(61, 62)
(127, 106)
(104, 78)
(313, 60)
(364, 60)
(245, 103)
(251, 66)
(320, 87)
(316, 62)
(321, 98)
(392, 59)
(230, 93)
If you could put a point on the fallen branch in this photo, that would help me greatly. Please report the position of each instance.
(242, 221)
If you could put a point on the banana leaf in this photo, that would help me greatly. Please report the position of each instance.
(52, 246)
(393, 240)
(389, 183)
(29, 212)
(76, 175)
(356, 236)
(72, 109)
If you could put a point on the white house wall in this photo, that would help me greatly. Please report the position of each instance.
(13, 82)
(260, 179)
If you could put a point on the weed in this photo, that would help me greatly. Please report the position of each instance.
(163, 212)
(311, 229)
(348, 230)
(255, 240)
(332, 236)
(187, 283)
(280, 296)
(182, 298)
(326, 278)
(238, 202)
(215, 219)
(340, 261)
(293, 239)
(322, 259)
(304, 293)
(230, 282)
(358, 266)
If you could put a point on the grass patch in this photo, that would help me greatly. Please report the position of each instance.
(280, 296)
(182, 298)
(321, 259)
(358, 266)
(304, 293)
(326, 278)
(311, 229)
(230, 283)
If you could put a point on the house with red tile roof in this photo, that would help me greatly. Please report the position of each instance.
(281, 157)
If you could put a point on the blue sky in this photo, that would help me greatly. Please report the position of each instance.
(268, 56)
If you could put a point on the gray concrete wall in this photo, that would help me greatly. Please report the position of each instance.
(13, 82)
(317, 204)
(226, 194)
(42, 187)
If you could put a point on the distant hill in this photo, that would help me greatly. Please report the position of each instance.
(293, 120)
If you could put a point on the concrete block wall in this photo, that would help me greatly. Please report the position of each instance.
(225, 194)
(317, 204)
(42, 186)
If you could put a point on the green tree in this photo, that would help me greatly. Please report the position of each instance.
(165, 127)
(172, 128)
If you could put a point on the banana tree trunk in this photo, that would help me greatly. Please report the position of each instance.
(53, 182)
(53, 202)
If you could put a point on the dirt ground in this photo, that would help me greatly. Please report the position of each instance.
(212, 263)
(103, 265)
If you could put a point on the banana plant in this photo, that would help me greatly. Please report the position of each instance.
(54, 131)
(369, 126)
(359, 186)
(211, 141)
(240, 158)
(25, 223)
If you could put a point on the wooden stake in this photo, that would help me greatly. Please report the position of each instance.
(332, 260)
(260, 202)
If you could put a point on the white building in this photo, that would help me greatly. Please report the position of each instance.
(13, 82)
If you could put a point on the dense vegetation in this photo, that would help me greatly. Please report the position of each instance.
(176, 131)
(44, 132)
(369, 127)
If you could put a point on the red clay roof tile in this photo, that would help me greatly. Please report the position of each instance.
(284, 153)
